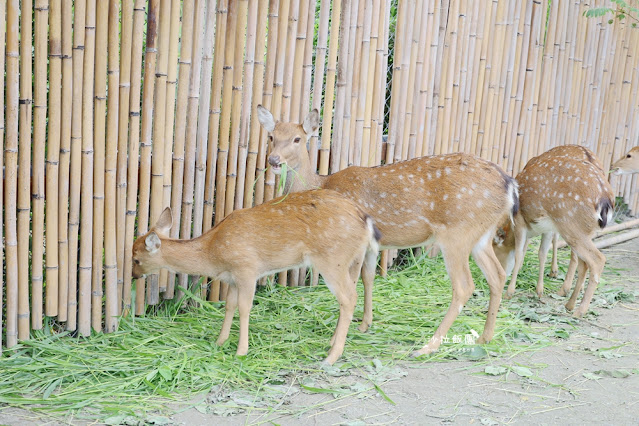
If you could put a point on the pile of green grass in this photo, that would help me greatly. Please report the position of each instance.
(170, 357)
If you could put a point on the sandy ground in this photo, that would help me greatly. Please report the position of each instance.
(590, 373)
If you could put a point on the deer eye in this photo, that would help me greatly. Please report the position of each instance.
(270, 138)
(628, 156)
(136, 261)
(297, 140)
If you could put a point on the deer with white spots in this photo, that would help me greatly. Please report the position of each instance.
(627, 164)
(320, 228)
(454, 200)
(565, 195)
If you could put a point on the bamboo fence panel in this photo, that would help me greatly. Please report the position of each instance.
(3, 16)
(95, 146)
(41, 12)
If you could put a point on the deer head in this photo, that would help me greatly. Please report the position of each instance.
(629, 163)
(288, 140)
(147, 250)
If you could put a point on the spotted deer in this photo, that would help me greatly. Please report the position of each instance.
(627, 164)
(576, 152)
(319, 228)
(454, 200)
(565, 195)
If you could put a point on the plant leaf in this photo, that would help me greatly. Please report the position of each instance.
(521, 371)
(494, 370)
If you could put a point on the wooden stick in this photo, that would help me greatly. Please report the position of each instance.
(320, 70)
(342, 76)
(41, 13)
(11, 172)
(112, 298)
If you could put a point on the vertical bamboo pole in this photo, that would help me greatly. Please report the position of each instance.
(53, 156)
(186, 51)
(11, 172)
(369, 145)
(171, 83)
(86, 190)
(360, 146)
(159, 118)
(447, 80)
(590, 52)
(38, 165)
(439, 77)
(112, 301)
(123, 138)
(318, 76)
(298, 51)
(3, 17)
(307, 32)
(379, 101)
(191, 129)
(24, 168)
(258, 88)
(398, 77)
(249, 103)
(132, 168)
(99, 140)
(65, 160)
(481, 82)
(342, 77)
(352, 82)
(267, 97)
(417, 38)
(79, 39)
(468, 80)
(329, 94)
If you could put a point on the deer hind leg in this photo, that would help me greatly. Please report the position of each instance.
(570, 274)
(341, 284)
(581, 278)
(368, 278)
(521, 243)
(496, 277)
(456, 260)
(546, 240)
(554, 267)
(231, 305)
(595, 260)
(245, 295)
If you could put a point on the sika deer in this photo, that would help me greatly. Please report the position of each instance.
(571, 151)
(454, 200)
(627, 164)
(568, 196)
(319, 228)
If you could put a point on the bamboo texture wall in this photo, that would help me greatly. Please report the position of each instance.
(129, 106)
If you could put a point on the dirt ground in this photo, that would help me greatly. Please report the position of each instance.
(590, 373)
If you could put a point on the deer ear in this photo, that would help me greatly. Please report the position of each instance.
(152, 242)
(311, 122)
(165, 221)
(265, 118)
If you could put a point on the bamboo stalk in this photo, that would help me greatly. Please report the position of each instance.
(382, 69)
(75, 160)
(24, 169)
(438, 81)
(307, 32)
(481, 82)
(86, 190)
(249, 103)
(236, 111)
(112, 298)
(318, 76)
(41, 12)
(447, 80)
(258, 88)
(123, 138)
(357, 35)
(297, 22)
(476, 25)
(397, 79)
(65, 160)
(267, 97)
(369, 145)
(186, 51)
(157, 148)
(99, 154)
(329, 94)
(11, 172)
(53, 156)
(3, 17)
(191, 131)
(361, 100)
(132, 169)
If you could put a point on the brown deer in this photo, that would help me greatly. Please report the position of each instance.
(319, 228)
(455, 200)
(627, 164)
(565, 195)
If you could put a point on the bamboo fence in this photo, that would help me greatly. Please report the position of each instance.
(113, 110)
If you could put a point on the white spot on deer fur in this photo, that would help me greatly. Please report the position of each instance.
(445, 197)
(401, 177)
(448, 170)
(419, 168)
(382, 195)
(394, 195)
(438, 173)
(421, 180)
(569, 178)
(410, 176)
(392, 170)
(383, 173)
(486, 193)
(576, 197)
(432, 205)
(458, 196)
(480, 203)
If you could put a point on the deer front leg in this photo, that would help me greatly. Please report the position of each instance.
(245, 295)
(231, 305)
(546, 240)
(520, 251)
(496, 276)
(570, 274)
(554, 267)
(368, 278)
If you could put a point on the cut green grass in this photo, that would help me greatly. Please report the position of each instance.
(170, 357)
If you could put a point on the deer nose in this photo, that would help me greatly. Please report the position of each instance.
(274, 160)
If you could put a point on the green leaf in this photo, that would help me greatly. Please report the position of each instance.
(49, 390)
(494, 371)
(616, 374)
(320, 390)
(151, 375)
(521, 371)
(591, 376)
(381, 392)
(166, 373)
(562, 334)
(597, 12)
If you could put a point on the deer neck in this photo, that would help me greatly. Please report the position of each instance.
(303, 178)
(192, 257)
